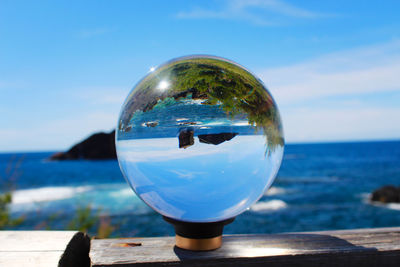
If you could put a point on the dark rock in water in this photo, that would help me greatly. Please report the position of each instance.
(151, 123)
(216, 139)
(387, 194)
(186, 138)
(97, 146)
(187, 123)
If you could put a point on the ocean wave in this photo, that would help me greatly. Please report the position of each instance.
(268, 206)
(273, 191)
(125, 192)
(182, 119)
(241, 123)
(216, 123)
(391, 206)
(193, 101)
(366, 199)
(111, 199)
(44, 194)
(307, 180)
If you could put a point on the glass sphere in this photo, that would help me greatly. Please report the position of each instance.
(199, 139)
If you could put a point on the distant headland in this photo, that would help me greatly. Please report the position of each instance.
(97, 146)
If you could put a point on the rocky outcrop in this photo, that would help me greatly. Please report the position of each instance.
(97, 146)
(387, 194)
(216, 139)
(186, 138)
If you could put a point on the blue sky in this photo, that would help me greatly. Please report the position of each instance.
(66, 66)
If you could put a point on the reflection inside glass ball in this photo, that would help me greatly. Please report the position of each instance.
(199, 139)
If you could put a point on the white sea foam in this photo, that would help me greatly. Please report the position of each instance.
(393, 206)
(366, 198)
(126, 192)
(267, 206)
(215, 123)
(241, 123)
(194, 101)
(273, 191)
(44, 194)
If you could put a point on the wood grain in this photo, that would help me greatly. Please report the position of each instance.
(360, 247)
(33, 248)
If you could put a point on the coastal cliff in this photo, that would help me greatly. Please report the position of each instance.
(97, 146)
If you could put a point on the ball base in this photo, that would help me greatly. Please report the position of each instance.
(198, 236)
(201, 244)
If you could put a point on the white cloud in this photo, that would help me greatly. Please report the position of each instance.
(340, 79)
(367, 70)
(332, 124)
(301, 90)
(56, 135)
(102, 95)
(277, 6)
(245, 10)
(91, 109)
(187, 175)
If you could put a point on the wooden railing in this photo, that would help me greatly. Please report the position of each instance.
(361, 247)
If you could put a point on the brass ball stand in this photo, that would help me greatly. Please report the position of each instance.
(198, 236)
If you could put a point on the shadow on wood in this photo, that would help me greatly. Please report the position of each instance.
(251, 249)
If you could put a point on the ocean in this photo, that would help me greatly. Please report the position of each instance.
(322, 186)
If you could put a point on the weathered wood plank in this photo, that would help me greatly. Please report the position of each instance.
(30, 259)
(360, 247)
(33, 248)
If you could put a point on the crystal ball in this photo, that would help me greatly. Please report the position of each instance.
(199, 139)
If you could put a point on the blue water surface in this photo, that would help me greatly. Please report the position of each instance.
(319, 187)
